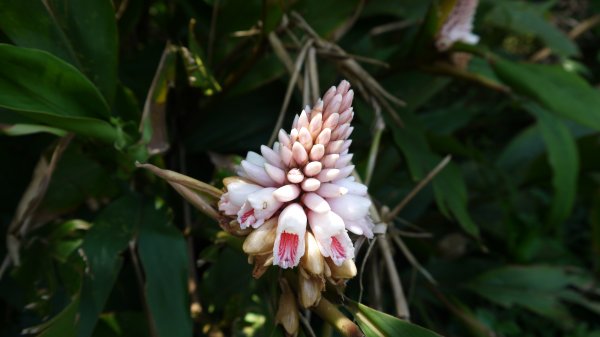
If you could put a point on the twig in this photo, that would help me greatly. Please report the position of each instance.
(212, 32)
(379, 127)
(345, 27)
(121, 10)
(359, 58)
(418, 188)
(139, 275)
(362, 269)
(389, 27)
(399, 297)
(183, 180)
(283, 55)
(196, 200)
(574, 33)
(444, 68)
(313, 74)
(306, 88)
(411, 258)
(307, 328)
(195, 306)
(290, 88)
(332, 315)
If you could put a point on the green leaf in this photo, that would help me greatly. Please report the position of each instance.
(83, 33)
(564, 159)
(540, 289)
(449, 186)
(526, 18)
(48, 90)
(28, 129)
(561, 92)
(102, 246)
(163, 254)
(63, 324)
(379, 324)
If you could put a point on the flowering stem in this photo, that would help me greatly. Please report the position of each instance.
(332, 315)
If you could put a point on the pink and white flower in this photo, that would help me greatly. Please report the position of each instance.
(304, 182)
(458, 26)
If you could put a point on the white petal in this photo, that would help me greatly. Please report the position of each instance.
(287, 193)
(363, 226)
(346, 116)
(317, 152)
(284, 138)
(277, 174)
(271, 156)
(324, 136)
(352, 186)
(331, 190)
(257, 174)
(334, 106)
(330, 160)
(335, 146)
(315, 125)
(343, 160)
(343, 87)
(347, 100)
(303, 120)
(328, 96)
(331, 121)
(345, 171)
(238, 191)
(305, 138)
(313, 168)
(286, 155)
(350, 206)
(311, 184)
(255, 158)
(332, 237)
(299, 153)
(315, 203)
(328, 175)
(290, 242)
(264, 204)
(295, 176)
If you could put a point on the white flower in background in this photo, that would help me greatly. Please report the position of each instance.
(303, 184)
(458, 26)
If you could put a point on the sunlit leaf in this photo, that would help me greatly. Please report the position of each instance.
(48, 90)
(83, 33)
(163, 254)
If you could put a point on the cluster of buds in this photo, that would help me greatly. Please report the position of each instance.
(458, 26)
(299, 199)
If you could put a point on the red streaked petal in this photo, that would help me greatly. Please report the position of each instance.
(288, 249)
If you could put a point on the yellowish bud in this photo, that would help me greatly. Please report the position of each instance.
(261, 240)
(287, 313)
(346, 271)
(312, 261)
(234, 179)
(310, 290)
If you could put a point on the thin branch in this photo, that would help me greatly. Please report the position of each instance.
(332, 315)
(139, 275)
(390, 27)
(574, 33)
(290, 89)
(283, 55)
(379, 127)
(399, 297)
(307, 328)
(313, 74)
(362, 269)
(443, 68)
(418, 188)
(411, 258)
(212, 32)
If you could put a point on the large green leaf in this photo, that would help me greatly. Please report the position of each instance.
(163, 254)
(48, 90)
(526, 18)
(541, 289)
(564, 159)
(109, 236)
(379, 324)
(449, 186)
(83, 33)
(561, 92)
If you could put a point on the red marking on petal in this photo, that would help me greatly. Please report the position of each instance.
(246, 215)
(288, 247)
(337, 249)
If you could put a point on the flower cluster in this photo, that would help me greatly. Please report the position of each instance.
(458, 26)
(300, 199)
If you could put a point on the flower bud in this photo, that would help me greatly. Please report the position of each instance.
(312, 261)
(346, 271)
(261, 240)
(287, 313)
(310, 290)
